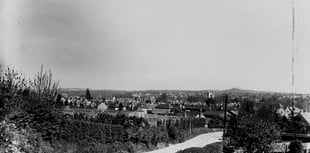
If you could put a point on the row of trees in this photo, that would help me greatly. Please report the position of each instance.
(139, 131)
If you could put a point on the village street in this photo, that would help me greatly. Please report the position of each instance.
(199, 141)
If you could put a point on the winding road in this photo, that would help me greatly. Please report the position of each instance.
(198, 141)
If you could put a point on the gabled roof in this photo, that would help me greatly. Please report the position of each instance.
(189, 114)
(160, 111)
(195, 107)
(148, 106)
(214, 113)
(164, 106)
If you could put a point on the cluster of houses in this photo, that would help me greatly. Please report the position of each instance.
(146, 107)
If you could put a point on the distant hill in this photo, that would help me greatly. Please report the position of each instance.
(120, 93)
(238, 90)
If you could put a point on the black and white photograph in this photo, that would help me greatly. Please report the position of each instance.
(154, 76)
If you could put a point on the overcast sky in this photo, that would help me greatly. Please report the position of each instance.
(158, 44)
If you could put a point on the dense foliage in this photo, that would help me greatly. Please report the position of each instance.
(13, 89)
(215, 123)
(256, 128)
(87, 94)
(74, 130)
(295, 147)
(210, 148)
(27, 107)
(187, 123)
(119, 119)
(253, 135)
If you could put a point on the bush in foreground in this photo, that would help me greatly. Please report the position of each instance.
(295, 147)
(210, 148)
(192, 150)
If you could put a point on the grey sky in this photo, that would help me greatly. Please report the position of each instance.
(158, 44)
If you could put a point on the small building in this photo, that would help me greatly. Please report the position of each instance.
(195, 107)
(139, 113)
(200, 115)
(288, 111)
(162, 109)
(102, 107)
(214, 114)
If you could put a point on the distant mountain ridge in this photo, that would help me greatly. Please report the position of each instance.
(238, 90)
(112, 92)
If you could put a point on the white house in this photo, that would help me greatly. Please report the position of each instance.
(288, 111)
(102, 107)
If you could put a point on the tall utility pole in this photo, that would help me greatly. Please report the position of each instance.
(293, 56)
(225, 112)
(224, 124)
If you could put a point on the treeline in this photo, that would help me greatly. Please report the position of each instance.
(138, 130)
(186, 123)
(119, 119)
(75, 130)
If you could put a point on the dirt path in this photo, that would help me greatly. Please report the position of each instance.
(199, 141)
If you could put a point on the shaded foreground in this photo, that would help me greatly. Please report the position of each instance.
(199, 141)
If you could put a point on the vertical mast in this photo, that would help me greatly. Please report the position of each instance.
(293, 56)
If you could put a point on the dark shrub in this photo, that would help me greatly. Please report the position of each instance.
(295, 147)
(210, 148)
(213, 148)
(175, 135)
(192, 150)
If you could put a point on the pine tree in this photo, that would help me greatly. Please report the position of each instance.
(88, 96)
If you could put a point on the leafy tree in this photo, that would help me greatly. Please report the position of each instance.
(120, 106)
(295, 147)
(283, 123)
(66, 102)
(45, 87)
(192, 150)
(162, 98)
(196, 98)
(13, 89)
(253, 135)
(247, 107)
(299, 125)
(88, 96)
(210, 148)
(213, 148)
(266, 112)
(210, 101)
(175, 134)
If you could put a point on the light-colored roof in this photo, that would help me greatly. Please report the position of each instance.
(160, 111)
(306, 116)
(102, 107)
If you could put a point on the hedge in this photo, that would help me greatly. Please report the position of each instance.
(186, 123)
(74, 130)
